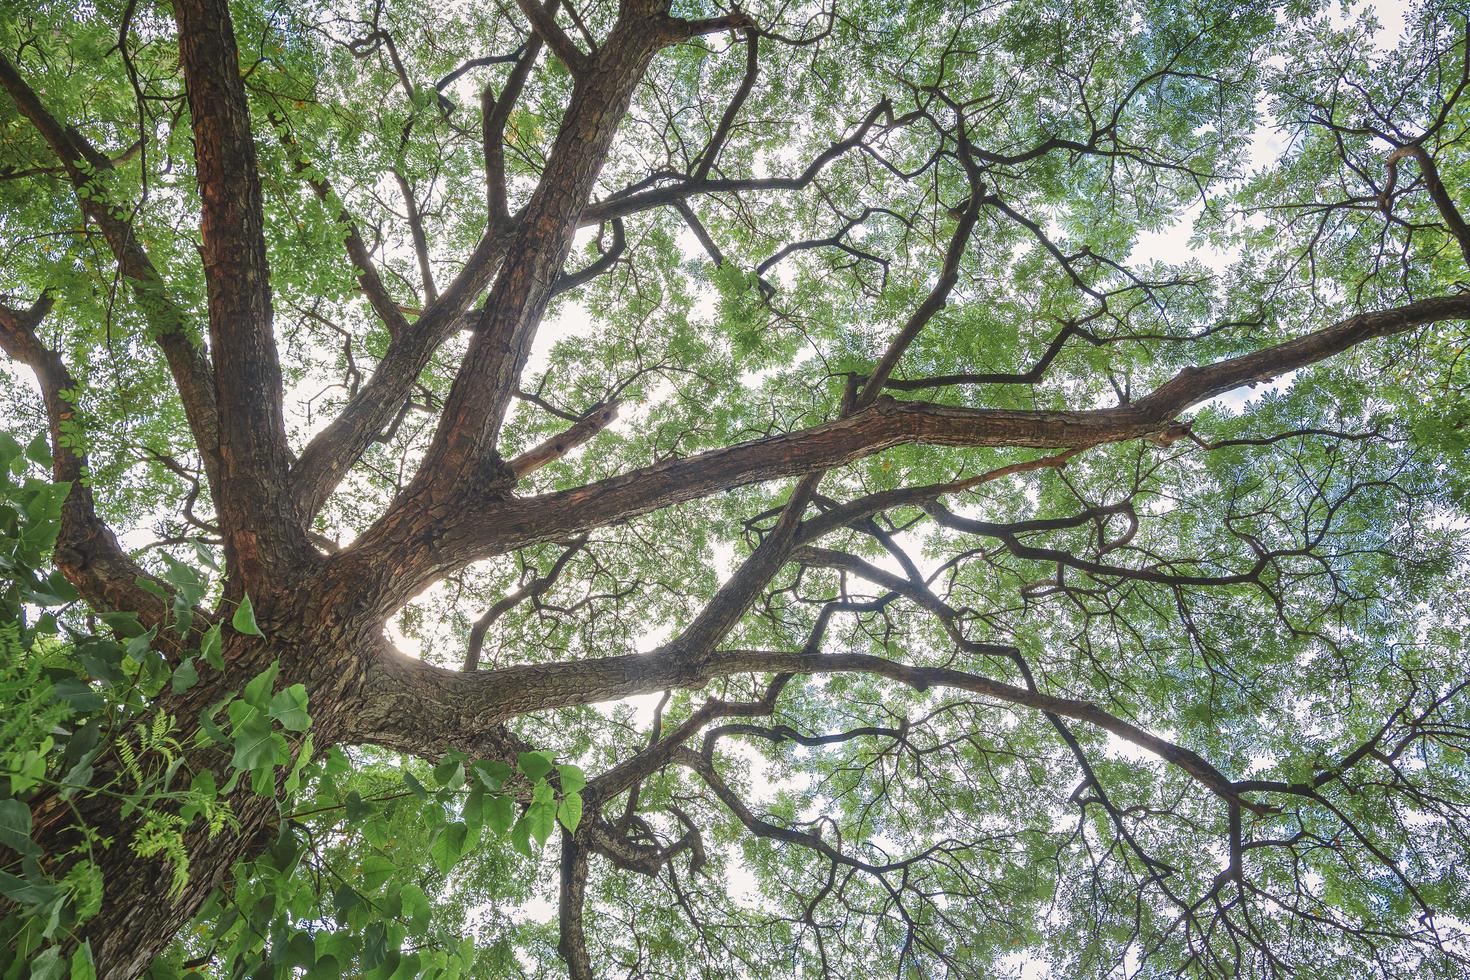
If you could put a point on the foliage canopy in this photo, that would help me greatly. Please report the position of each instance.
(835, 488)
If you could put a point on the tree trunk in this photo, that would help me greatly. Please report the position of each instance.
(139, 916)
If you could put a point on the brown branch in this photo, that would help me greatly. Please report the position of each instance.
(420, 239)
(494, 114)
(938, 294)
(531, 590)
(675, 29)
(1437, 192)
(623, 205)
(711, 152)
(327, 458)
(470, 531)
(701, 233)
(87, 550)
(455, 705)
(572, 944)
(543, 22)
(597, 267)
(257, 512)
(462, 453)
(599, 418)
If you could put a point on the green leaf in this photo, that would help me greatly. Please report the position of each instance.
(82, 965)
(520, 837)
(186, 675)
(500, 811)
(209, 730)
(100, 657)
(288, 708)
(258, 691)
(244, 619)
(10, 453)
(492, 772)
(344, 900)
(356, 810)
(449, 773)
(27, 892)
(48, 966)
(570, 811)
(412, 782)
(572, 778)
(447, 848)
(257, 745)
(39, 450)
(474, 810)
(303, 757)
(374, 945)
(300, 951)
(183, 578)
(415, 906)
(125, 624)
(376, 870)
(210, 647)
(15, 828)
(533, 764)
(77, 695)
(541, 817)
(337, 763)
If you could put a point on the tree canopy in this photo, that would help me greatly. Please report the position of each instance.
(833, 488)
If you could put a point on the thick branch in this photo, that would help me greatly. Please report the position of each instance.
(329, 455)
(257, 513)
(543, 22)
(470, 531)
(87, 551)
(463, 449)
(573, 942)
(562, 443)
(455, 705)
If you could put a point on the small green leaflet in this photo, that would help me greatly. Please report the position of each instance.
(448, 847)
(288, 708)
(541, 819)
(244, 618)
(533, 764)
(15, 827)
(570, 812)
(209, 648)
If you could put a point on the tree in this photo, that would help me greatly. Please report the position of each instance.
(973, 611)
